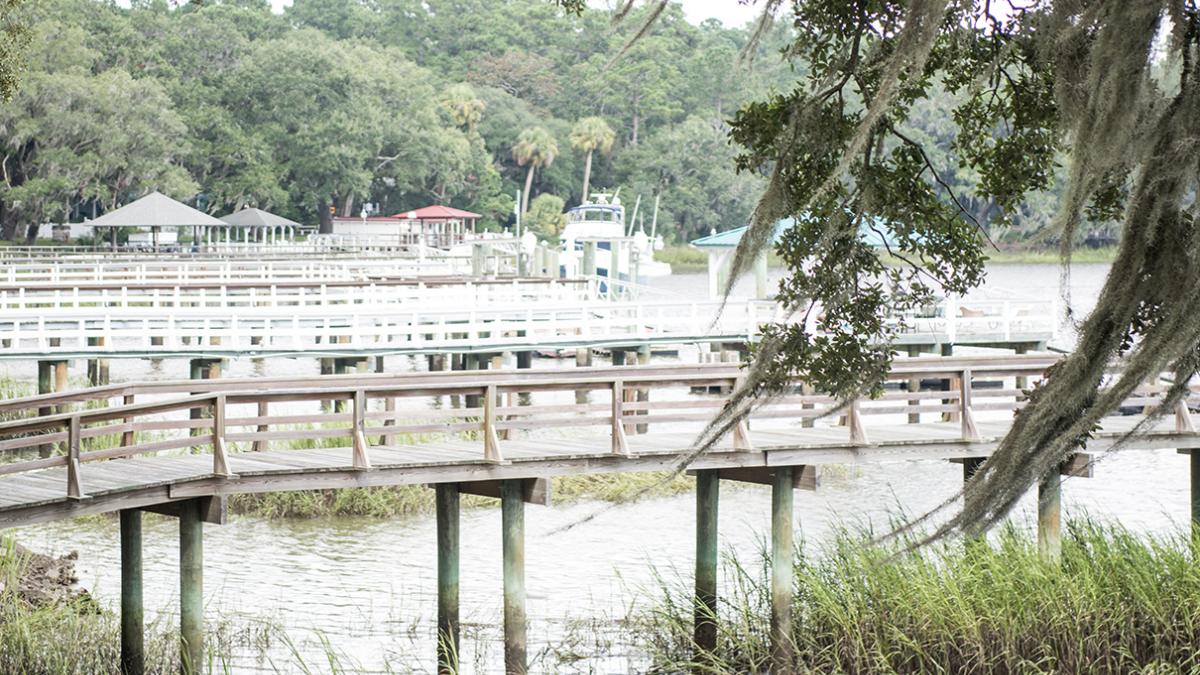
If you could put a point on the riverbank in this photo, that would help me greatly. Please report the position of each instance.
(1117, 603)
(685, 259)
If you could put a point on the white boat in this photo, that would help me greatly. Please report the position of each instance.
(619, 255)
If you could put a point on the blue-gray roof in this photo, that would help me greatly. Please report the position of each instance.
(731, 238)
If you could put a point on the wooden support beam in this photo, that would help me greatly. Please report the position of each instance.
(1078, 465)
(704, 623)
(512, 516)
(804, 476)
(213, 510)
(191, 588)
(448, 576)
(970, 465)
(533, 490)
(782, 572)
(133, 649)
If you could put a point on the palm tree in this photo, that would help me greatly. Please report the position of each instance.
(466, 109)
(537, 148)
(590, 134)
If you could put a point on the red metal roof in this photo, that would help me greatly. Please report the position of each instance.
(437, 212)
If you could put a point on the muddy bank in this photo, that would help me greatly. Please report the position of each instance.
(36, 580)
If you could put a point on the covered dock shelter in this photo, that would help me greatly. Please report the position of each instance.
(262, 226)
(152, 213)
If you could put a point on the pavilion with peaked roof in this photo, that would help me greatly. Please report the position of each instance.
(264, 226)
(154, 212)
(437, 225)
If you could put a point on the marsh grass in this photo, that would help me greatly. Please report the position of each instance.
(1118, 603)
(403, 500)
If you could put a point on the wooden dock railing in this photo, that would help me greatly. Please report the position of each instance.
(367, 411)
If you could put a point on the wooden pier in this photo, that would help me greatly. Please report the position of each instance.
(180, 447)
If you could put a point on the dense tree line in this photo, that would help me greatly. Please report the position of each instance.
(337, 103)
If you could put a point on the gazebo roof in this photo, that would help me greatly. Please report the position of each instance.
(155, 210)
(251, 217)
(437, 212)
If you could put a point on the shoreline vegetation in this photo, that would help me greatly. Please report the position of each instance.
(684, 259)
(1118, 602)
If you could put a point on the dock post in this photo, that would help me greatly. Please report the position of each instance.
(133, 651)
(704, 628)
(1050, 516)
(970, 465)
(447, 561)
(51, 378)
(782, 501)
(203, 369)
(643, 394)
(949, 384)
(472, 361)
(1195, 466)
(512, 515)
(191, 587)
(914, 385)
(97, 368)
(583, 359)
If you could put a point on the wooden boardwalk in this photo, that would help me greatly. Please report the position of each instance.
(405, 429)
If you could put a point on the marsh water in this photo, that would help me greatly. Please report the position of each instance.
(366, 587)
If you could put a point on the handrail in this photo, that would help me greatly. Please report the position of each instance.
(489, 418)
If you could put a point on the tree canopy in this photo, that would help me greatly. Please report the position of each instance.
(335, 103)
(1106, 87)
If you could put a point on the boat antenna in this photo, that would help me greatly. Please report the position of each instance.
(629, 228)
(654, 220)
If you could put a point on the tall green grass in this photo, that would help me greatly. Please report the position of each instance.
(1118, 603)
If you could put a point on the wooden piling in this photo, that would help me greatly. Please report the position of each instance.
(1195, 466)
(133, 651)
(1050, 516)
(97, 369)
(583, 359)
(447, 579)
(202, 369)
(704, 626)
(512, 510)
(970, 465)
(46, 380)
(643, 394)
(524, 359)
(782, 499)
(191, 588)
